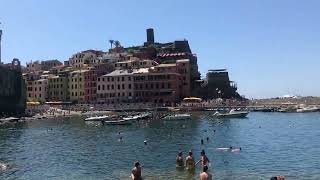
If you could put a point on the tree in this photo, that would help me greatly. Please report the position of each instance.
(111, 43)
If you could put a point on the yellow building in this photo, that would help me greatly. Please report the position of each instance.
(77, 86)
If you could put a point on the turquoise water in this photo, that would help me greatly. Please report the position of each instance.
(272, 144)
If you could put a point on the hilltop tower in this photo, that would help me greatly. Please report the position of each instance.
(150, 36)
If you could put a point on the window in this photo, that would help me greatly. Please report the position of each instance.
(122, 86)
(29, 95)
(112, 79)
(40, 95)
(122, 78)
(141, 86)
(129, 86)
(108, 87)
(118, 94)
(118, 86)
(71, 86)
(39, 88)
(102, 79)
(98, 79)
(129, 78)
(72, 94)
(76, 93)
(35, 89)
(76, 86)
(80, 79)
(123, 94)
(103, 87)
(118, 79)
(151, 86)
(108, 79)
(169, 85)
(162, 85)
(129, 93)
(157, 86)
(98, 87)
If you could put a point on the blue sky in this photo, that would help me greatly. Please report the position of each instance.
(270, 48)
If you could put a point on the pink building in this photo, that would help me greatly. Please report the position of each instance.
(37, 89)
(91, 77)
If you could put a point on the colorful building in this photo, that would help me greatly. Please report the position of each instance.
(58, 88)
(115, 87)
(76, 83)
(85, 57)
(38, 89)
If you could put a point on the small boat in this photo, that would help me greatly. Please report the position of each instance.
(118, 122)
(177, 117)
(232, 114)
(97, 118)
(143, 116)
(10, 119)
(308, 109)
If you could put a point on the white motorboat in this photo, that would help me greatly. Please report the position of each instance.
(143, 116)
(177, 117)
(97, 118)
(307, 109)
(118, 122)
(232, 114)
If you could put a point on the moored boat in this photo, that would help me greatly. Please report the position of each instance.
(118, 122)
(177, 117)
(232, 114)
(97, 118)
(308, 109)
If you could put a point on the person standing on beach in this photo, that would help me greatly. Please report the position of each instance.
(205, 175)
(190, 163)
(136, 172)
(179, 160)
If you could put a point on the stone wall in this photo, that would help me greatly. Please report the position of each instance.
(12, 92)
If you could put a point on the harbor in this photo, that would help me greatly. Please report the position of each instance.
(70, 148)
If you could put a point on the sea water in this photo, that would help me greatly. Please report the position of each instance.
(272, 144)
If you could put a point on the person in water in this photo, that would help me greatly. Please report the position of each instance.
(203, 159)
(179, 160)
(277, 178)
(205, 175)
(190, 163)
(136, 172)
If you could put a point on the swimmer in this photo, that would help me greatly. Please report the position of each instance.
(136, 172)
(207, 138)
(203, 159)
(277, 178)
(179, 160)
(201, 141)
(205, 175)
(145, 142)
(3, 167)
(190, 163)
